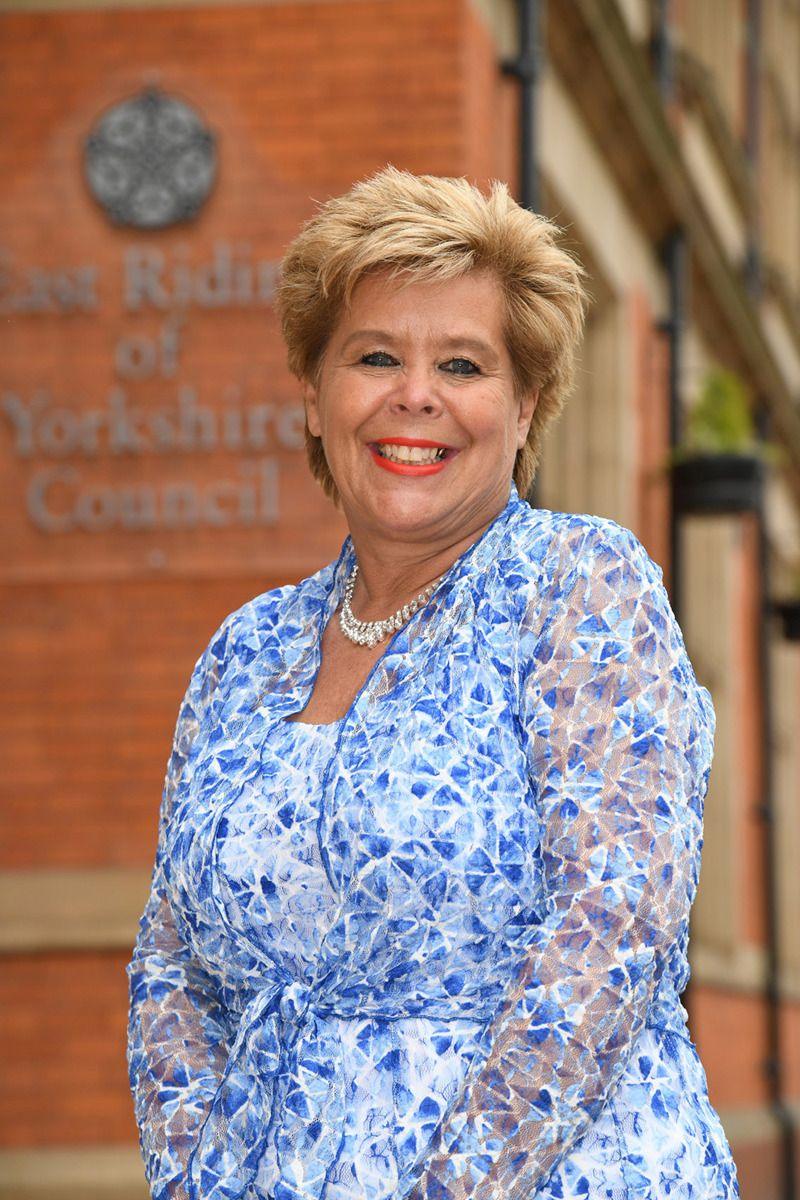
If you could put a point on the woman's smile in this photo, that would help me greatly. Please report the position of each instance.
(411, 456)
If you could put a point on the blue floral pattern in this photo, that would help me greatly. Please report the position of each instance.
(435, 949)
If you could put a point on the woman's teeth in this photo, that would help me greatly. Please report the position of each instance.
(411, 454)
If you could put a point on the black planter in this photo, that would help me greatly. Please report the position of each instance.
(718, 483)
(789, 613)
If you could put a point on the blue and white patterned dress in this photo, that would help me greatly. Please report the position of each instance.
(435, 949)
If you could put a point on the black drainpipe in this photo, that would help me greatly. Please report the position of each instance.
(752, 137)
(675, 257)
(662, 54)
(527, 68)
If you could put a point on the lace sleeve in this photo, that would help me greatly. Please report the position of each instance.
(619, 743)
(176, 1048)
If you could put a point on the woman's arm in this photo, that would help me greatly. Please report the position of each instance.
(619, 741)
(177, 1047)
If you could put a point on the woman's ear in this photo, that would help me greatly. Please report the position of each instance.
(310, 401)
(526, 410)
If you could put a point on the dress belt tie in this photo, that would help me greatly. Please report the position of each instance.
(294, 1003)
(225, 1160)
(232, 1138)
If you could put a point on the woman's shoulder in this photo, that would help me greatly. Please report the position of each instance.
(243, 632)
(572, 569)
(550, 546)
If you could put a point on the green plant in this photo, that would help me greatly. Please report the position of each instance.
(721, 421)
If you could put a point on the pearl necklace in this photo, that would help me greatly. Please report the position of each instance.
(369, 633)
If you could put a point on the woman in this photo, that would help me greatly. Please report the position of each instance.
(431, 826)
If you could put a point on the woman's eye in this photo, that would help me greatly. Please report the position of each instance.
(365, 358)
(454, 366)
(464, 362)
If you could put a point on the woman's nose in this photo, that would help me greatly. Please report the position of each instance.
(416, 391)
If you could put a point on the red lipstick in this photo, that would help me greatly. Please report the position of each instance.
(411, 468)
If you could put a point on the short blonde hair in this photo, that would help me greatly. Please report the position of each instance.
(438, 228)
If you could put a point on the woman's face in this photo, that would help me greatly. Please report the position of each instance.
(422, 362)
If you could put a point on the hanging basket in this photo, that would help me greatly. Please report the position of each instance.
(718, 483)
(789, 613)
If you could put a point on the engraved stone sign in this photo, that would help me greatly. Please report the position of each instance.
(150, 161)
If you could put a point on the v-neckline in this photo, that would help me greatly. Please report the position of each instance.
(318, 598)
